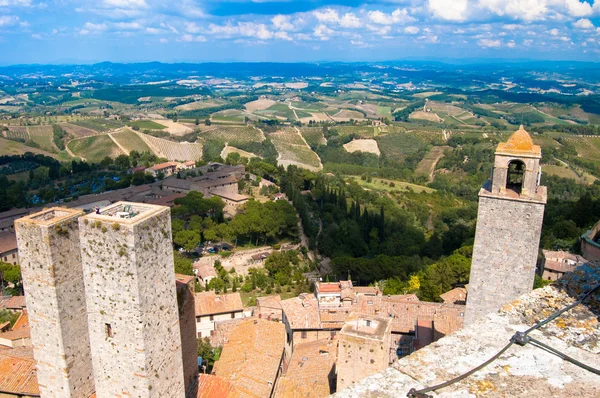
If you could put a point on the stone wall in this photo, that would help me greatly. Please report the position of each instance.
(505, 253)
(189, 347)
(131, 295)
(359, 358)
(53, 281)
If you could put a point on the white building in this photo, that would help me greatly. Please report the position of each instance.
(212, 308)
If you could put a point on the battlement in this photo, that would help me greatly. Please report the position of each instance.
(51, 216)
(126, 213)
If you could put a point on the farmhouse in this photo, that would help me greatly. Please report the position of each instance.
(557, 263)
(167, 169)
(8, 248)
(212, 308)
(204, 272)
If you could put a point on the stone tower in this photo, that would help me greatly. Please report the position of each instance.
(53, 279)
(509, 224)
(132, 304)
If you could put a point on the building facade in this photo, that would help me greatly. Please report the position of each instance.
(53, 279)
(509, 224)
(134, 328)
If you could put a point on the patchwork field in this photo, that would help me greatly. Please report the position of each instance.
(180, 151)
(427, 165)
(129, 141)
(382, 184)
(292, 149)
(95, 148)
(147, 125)
(231, 134)
(172, 127)
(8, 147)
(17, 133)
(278, 110)
(313, 136)
(229, 116)
(345, 115)
(42, 135)
(259, 104)
(199, 105)
(77, 131)
(429, 116)
(231, 149)
(368, 145)
(99, 124)
(397, 146)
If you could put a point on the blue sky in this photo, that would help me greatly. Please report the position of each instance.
(61, 31)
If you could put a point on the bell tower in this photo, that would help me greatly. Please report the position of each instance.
(509, 225)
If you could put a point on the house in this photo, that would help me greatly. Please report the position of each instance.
(252, 357)
(259, 258)
(557, 263)
(18, 377)
(269, 308)
(9, 252)
(458, 295)
(167, 169)
(190, 164)
(278, 196)
(328, 293)
(230, 198)
(16, 304)
(212, 308)
(7, 218)
(301, 320)
(136, 169)
(204, 272)
(16, 338)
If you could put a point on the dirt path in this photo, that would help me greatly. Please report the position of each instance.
(121, 147)
(71, 153)
(427, 165)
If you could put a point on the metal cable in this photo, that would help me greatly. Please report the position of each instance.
(521, 338)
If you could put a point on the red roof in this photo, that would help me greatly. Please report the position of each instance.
(16, 303)
(8, 241)
(18, 375)
(329, 287)
(165, 165)
(211, 386)
(209, 303)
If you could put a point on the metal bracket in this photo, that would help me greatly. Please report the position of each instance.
(520, 338)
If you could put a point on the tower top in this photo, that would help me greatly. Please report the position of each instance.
(519, 144)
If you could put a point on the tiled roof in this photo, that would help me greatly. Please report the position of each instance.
(269, 302)
(369, 290)
(560, 266)
(405, 313)
(308, 372)
(16, 303)
(328, 287)
(8, 241)
(205, 270)
(302, 312)
(251, 357)
(185, 279)
(520, 142)
(18, 375)
(23, 333)
(211, 386)
(161, 166)
(211, 303)
(458, 294)
(22, 322)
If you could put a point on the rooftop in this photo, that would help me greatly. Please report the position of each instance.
(52, 216)
(328, 287)
(211, 303)
(205, 270)
(366, 326)
(520, 143)
(126, 212)
(251, 357)
(16, 303)
(18, 375)
(8, 241)
(458, 295)
(525, 371)
(161, 166)
(302, 312)
(309, 371)
(211, 386)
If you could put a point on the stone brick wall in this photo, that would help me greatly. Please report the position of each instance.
(133, 316)
(359, 358)
(189, 347)
(53, 280)
(507, 239)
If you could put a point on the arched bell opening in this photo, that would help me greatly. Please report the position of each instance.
(515, 176)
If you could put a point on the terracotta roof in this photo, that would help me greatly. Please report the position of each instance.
(211, 386)
(302, 312)
(458, 295)
(205, 270)
(22, 322)
(369, 290)
(23, 333)
(260, 256)
(308, 372)
(18, 375)
(405, 313)
(561, 261)
(269, 302)
(185, 279)
(166, 200)
(251, 358)
(8, 241)
(161, 166)
(328, 287)
(211, 303)
(189, 163)
(16, 303)
(236, 197)
(520, 142)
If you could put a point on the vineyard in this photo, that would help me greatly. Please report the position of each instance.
(231, 134)
(130, 141)
(99, 124)
(313, 136)
(17, 133)
(398, 146)
(42, 135)
(172, 150)
(293, 150)
(77, 131)
(94, 149)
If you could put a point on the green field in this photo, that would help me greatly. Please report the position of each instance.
(95, 148)
(147, 125)
(229, 115)
(8, 147)
(382, 184)
(99, 124)
(365, 131)
(131, 141)
(42, 135)
(398, 146)
(231, 134)
(313, 135)
(278, 110)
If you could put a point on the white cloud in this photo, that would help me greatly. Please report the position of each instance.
(328, 15)
(584, 23)
(397, 16)
(155, 31)
(527, 10)
(128, 4)
(36, 36)
(553, 32)
(349, 20)
(489, 43)
(92, 28)
(576, 8)
(8, 20)
(21, 3)
(450, 10)
(191, 38)
(527, 42)
(380, 30)
(163, 40)
(282, 22)
(191, 27)
(282, 35)
(128, 25)
(411, 30)
(322, 32)
(511, 44)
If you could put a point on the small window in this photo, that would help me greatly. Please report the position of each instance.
(13, 255)
(212, 317)
(108, 330)
(304, 334)
(368, 323)
(233, 315)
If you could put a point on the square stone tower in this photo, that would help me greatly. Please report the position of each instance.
(129, 277)
(363, 348)
(509, 225)
(53, 279)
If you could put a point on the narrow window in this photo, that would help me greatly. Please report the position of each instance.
(233, 315)
(108, 330)
(368, 323)
(212, 317)
(304, 334)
